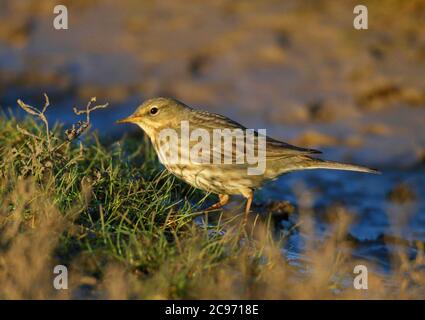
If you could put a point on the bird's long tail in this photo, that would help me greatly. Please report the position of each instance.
(307, 163)
(332, 165)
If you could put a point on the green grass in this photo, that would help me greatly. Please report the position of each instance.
(126, 229)
(122, 206)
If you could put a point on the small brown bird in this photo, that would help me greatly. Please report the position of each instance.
(156, 116)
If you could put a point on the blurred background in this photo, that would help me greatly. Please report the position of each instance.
(297, 68)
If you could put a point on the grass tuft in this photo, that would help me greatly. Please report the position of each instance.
(126, 229)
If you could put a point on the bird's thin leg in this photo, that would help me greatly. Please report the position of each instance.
(223, 200)
(249, 196)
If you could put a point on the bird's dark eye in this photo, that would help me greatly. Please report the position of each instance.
(154, 111)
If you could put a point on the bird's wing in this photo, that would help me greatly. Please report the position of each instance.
(278, 149)
(272, 148)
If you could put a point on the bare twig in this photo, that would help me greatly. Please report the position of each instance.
(46, 103)
(40, 114)
(71, 134)
(81, 126)
(90, 109)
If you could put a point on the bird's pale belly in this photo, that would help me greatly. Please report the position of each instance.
(215, 179)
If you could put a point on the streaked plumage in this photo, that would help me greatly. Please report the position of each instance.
(157, 114)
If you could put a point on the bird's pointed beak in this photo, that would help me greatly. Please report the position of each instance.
(130, 119)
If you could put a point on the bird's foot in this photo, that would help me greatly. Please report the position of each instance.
(223, 200)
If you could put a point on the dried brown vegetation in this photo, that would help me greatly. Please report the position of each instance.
(137, 243)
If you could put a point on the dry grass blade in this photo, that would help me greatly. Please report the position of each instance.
(27, 133)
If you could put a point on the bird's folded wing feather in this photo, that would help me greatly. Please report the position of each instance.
(272, 148)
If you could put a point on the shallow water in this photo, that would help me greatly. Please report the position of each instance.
(365, 198)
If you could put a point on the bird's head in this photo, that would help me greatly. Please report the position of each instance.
(156, 114)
